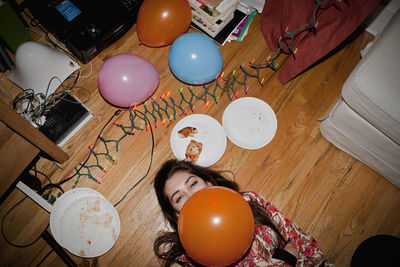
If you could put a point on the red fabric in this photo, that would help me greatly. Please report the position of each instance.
(335, 23)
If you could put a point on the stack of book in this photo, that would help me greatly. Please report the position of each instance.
(222, 20)
(241, 30)
(212, 15)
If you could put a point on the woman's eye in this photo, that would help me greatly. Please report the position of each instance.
(178, 199)
(194, 183)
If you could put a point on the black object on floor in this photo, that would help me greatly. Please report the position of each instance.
(63, 118)
(379, 250)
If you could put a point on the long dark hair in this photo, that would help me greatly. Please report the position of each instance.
(167, 246)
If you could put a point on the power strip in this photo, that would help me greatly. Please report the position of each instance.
(35, 197)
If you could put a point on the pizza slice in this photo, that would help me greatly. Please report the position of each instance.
(193, 150)
(187, 131)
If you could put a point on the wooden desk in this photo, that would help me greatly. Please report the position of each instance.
(18, 152)
(317, 186)
(21, 143)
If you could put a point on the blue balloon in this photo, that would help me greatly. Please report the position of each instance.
(194, 58)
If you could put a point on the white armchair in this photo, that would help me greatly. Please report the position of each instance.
(365, 122)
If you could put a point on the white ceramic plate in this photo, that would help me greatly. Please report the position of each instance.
(88, 226)
(210, 134)
(249, 123)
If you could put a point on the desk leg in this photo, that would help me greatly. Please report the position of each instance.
(24, 176)
(58, 249)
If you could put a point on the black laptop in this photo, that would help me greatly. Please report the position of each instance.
(86, 27)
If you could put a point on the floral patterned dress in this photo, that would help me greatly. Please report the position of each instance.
(266, 241)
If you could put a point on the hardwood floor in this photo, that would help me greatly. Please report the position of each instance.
(335, 198)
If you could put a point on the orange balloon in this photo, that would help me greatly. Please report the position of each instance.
(160, 22)
(216, 226)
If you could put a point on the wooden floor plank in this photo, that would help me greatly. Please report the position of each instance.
(332, 196)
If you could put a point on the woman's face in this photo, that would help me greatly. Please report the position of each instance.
(181, 186)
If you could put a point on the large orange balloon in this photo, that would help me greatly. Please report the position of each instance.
(216, 226)
(160, 22)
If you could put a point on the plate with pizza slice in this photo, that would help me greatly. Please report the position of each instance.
(199, 138)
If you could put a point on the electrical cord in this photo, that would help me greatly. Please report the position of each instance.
(36, 172)
(18, 245)
(60, 46)
(151, 161)
(47, 187)
(3, 232)
(39, 172)
(35, 23)
(37, 105)
(58, 185)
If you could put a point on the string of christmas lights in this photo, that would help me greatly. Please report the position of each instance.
(162, 111)
(286, 40)
(167, 108)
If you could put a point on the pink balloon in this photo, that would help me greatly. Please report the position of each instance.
(125, 80)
